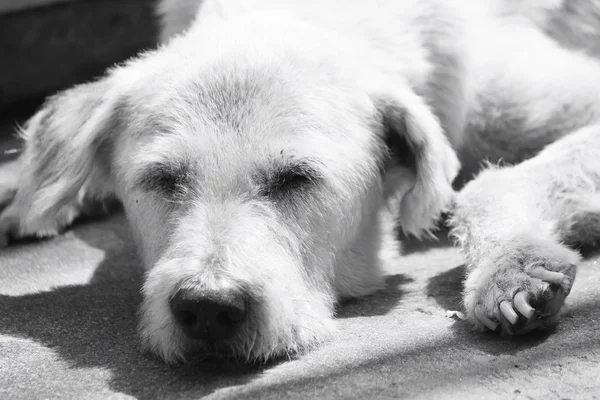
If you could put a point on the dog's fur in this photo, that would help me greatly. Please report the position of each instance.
(257, 146)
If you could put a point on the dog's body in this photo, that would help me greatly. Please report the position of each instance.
(254, 151)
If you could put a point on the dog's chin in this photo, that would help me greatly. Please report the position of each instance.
(259, 341)
(284, 315)
(276, 327)
(273, 330)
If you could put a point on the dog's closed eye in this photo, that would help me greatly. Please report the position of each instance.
(287, 179)
(169, 180)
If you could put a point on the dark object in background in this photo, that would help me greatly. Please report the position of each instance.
(44, 49)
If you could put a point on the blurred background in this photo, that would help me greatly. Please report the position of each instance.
(49, 45)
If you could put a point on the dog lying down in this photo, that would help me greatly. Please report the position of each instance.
(255, 148)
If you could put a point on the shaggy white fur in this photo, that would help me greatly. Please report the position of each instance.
(256, 148)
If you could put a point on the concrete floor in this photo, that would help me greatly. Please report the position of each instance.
(68, 330)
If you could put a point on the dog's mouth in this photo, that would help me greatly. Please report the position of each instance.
(233, 352)
(225, 353)
(214, 350)
(236, 340)
(241, 348)
(214, 316)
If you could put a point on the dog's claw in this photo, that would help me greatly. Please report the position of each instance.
(552, 304)
(484, 319)
(521, 302)
(548, 276)
(508, 312)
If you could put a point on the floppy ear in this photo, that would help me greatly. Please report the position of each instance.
(433, 162)
(67, 146)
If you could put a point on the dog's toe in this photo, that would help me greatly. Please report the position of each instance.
(517, 299)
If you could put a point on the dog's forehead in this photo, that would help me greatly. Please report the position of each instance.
(242, 103)
(230, 109)
(236, 115)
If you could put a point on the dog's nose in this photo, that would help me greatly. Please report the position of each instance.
(209, 315)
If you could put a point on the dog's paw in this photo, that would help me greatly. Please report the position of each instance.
(17, 218)
(520, 294)
(14, 227)
(8, 226)
(7, 194)
(8, 190)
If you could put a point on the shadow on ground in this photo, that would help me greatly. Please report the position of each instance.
(94, 325)
(378, 303)
(446, 289)
(411, 245)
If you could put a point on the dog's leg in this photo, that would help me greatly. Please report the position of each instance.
(9, 178)
(514, 223)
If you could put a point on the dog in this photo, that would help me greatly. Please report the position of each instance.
(255, 150)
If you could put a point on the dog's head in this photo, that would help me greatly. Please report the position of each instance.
(251, 174)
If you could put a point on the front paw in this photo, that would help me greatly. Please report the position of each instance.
(522, 291)
(8, 190)
(14, 224)
(8, 228)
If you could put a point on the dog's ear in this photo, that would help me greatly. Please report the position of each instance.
(418, 138)
(67, 147)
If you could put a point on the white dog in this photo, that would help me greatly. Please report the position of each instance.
(254, 150)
